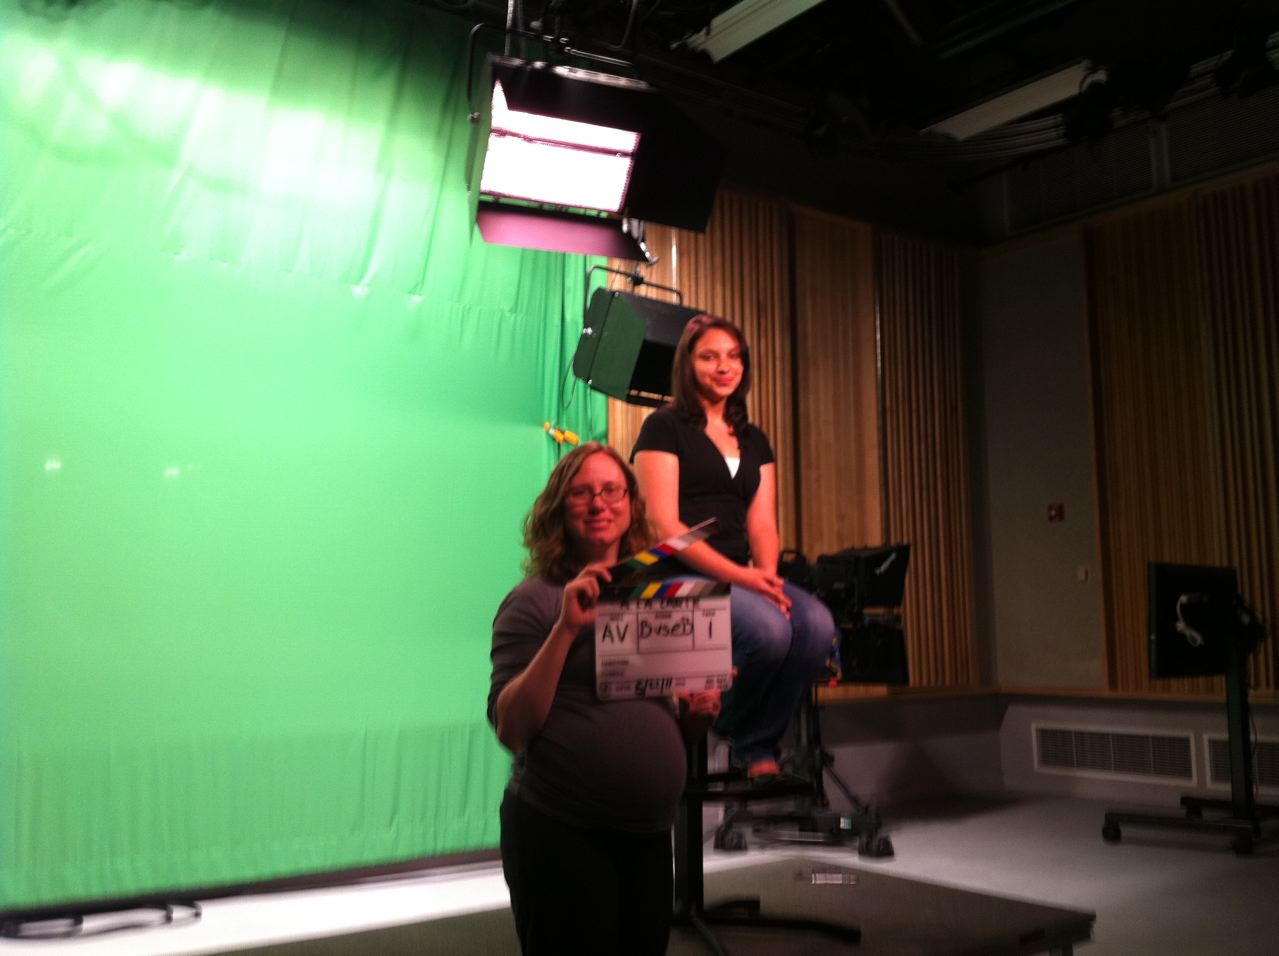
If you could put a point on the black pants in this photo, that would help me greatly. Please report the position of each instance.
(587, 892)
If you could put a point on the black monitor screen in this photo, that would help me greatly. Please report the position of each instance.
(868, 577)
(883, 577)
(1191, 618)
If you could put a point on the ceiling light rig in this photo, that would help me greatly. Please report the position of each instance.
(1056, 87)
(1106, 99)
(743, 24)
(1249, 67)
(569, 159)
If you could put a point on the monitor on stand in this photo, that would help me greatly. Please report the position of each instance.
(864, 589)
(1188, 614)
(1200, 626)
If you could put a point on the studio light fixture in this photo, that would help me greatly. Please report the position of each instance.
(1248, 68)
(573, 160)
(1024, 100)
(745, 23)
(628, 345)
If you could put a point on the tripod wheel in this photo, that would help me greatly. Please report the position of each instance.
(1242, 845)
(1110, 833)
(875, 847)
(727, 838)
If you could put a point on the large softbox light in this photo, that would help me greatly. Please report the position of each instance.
(572, 160)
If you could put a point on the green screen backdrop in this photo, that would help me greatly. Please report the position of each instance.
(270, 417)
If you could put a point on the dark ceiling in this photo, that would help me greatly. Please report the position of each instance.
(884, 67)
(859, 81)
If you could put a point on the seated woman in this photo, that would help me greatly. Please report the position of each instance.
(698, 458)
(586, 818)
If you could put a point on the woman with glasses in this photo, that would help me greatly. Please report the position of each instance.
(586, 818)
(700, 457)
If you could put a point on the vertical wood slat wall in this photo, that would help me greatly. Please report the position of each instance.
(1183, 326)
(802, 285)
(1153, 424)
(926, 446)
(836, 393)
(1239, 250)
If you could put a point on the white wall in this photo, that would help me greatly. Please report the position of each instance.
(900, 751)
(1172, 717)
(1043, 623)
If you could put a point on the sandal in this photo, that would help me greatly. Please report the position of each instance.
(764, 767)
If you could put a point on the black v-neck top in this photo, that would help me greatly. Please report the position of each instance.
(706, 488)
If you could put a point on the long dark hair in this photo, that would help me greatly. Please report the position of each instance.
(684, 379)
(550, 553)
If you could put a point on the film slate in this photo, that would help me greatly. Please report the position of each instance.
(655, 638)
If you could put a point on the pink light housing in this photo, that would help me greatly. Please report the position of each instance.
(556, 161)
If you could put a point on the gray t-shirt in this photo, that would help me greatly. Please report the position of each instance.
(618, 764)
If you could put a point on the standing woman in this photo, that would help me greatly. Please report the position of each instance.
(698, 458)
(586, 818)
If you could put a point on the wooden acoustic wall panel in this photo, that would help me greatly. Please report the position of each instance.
(1157, 442)
(1238, 242)
(926, 484)
(737, 269)
(836, 389)
(1185, 300)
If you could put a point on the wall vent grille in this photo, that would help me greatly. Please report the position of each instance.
(1196, 142)
(1221, 133)
(1079, 179)
(1265, 768)
(1159, 757)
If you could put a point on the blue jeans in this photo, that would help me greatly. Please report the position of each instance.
(777, 660)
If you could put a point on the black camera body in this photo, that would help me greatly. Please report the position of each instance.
(849, 582)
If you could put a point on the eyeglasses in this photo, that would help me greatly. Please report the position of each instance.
(610, 494)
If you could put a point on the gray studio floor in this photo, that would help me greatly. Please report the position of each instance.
(1155, 893)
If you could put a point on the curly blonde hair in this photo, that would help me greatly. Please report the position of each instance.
(545, 534)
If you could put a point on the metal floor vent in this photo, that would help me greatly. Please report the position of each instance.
(1163, 757)
(1265, 768)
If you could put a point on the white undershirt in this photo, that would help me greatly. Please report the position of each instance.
(733, 464)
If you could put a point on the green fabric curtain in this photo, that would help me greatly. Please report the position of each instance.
(270, 417)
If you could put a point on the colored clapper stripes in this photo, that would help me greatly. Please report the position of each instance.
(676, 589)
(663, 549)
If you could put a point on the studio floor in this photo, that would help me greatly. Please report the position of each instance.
(1156, 892)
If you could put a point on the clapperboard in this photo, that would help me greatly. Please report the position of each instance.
(653, 638)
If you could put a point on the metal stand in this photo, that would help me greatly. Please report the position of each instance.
(690, 903)
(1244, 818)
(815, 822)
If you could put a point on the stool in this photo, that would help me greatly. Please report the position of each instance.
(814, 822)
(690, 905)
